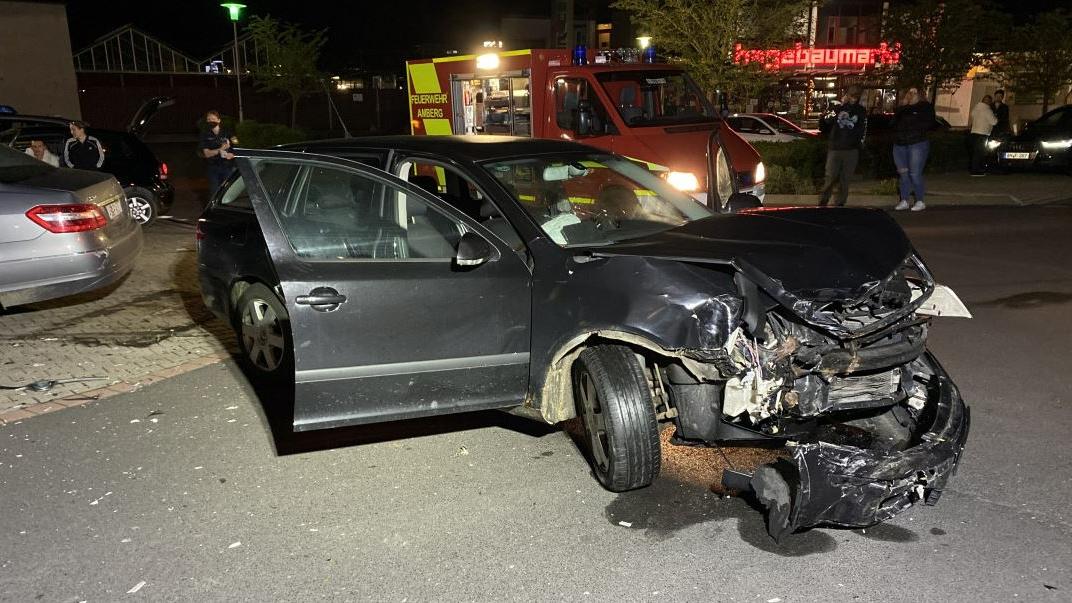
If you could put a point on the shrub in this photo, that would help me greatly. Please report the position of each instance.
(788, 181)
(806, 157)
(256, 135)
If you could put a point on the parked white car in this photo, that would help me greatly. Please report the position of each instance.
(767, 127)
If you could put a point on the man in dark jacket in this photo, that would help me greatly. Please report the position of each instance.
(1001, 111)
(81, 151)
(847, 128)
(215, 147)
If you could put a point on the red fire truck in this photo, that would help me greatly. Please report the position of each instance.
(650, 112)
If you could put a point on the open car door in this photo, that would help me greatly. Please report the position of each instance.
(386, 322)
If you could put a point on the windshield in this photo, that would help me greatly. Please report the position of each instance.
(784, 125)
(594, 199)
(16, 166)
(656, 98)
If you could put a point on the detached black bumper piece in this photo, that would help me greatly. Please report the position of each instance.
(824, 483)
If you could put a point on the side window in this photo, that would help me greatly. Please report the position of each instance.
(276, 178)
(747, 124)
(453, 187)
(570, 93)
(236, 196)
(338, 214)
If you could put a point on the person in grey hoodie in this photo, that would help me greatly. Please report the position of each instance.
(847, 128)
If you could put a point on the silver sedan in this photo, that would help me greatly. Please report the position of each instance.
(62, 231)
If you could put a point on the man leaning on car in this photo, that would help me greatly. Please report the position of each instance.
(82, 151)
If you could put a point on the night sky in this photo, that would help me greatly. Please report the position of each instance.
(360, 32)
(378, 34)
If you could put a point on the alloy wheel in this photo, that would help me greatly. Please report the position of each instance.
(140, 209)
(595, 423)
(262, 335)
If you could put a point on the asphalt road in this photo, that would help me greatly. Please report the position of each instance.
(190, 490)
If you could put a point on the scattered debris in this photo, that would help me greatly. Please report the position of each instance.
(44, 385)
(625, 524)
(463, 451)
(235, 545)
(136, 587)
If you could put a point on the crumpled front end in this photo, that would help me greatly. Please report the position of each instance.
(841, 480)
(870, 420)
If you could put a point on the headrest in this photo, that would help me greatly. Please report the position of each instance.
(428, 183)
(627, 97)
(333, 201)
(416, 207)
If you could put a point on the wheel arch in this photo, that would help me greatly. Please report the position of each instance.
(556, 389)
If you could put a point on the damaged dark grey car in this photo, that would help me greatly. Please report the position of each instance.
(406, 277)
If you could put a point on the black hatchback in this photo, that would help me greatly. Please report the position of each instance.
(144, 177)
(401, 277)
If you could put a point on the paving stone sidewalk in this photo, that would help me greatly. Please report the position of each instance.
(150, 326)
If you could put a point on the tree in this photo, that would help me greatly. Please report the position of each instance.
(940, 39)
(290, 54)
(702, 34)
(1039, 63)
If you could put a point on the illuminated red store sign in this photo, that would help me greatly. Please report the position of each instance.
(800, 57)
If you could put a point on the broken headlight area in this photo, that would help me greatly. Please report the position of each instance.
(873, 308)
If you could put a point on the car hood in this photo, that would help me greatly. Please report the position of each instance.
(1037, 133)
(796, 255)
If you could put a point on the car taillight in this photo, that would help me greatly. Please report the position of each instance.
(198, 233)
(163, 171)
(72, 217)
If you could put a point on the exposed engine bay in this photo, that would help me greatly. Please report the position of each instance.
(865, 412)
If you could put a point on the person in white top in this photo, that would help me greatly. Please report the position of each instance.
(983, 121)
(40, 152)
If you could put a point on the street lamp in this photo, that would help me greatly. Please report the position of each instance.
(643, 41)
(234, 10)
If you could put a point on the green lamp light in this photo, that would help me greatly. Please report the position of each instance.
(234, 9)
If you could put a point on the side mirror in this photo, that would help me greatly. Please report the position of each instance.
(742, 201)
(473, 250)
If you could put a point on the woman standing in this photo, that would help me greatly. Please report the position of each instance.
(911, 123)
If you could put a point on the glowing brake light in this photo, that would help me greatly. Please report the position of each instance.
(72, 217)
(163, 170)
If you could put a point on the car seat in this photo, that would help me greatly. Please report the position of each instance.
(497, 224)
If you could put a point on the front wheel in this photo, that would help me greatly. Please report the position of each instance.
(262, 326)
(142, 204)
(614, 402)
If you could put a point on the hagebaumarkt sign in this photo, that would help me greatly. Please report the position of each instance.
(800, 57)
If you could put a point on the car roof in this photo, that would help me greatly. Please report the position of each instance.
(45, 120)
(466, 148)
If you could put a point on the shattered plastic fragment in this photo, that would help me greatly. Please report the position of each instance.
(136, 587)
(625, 524)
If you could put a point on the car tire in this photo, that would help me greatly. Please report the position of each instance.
(143, 205)
(615, 406)
(262, 326)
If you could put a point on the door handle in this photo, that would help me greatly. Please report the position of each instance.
(321, 298)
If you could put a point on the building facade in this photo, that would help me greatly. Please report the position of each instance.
(36, 71)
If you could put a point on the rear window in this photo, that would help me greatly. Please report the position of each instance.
(16, 166)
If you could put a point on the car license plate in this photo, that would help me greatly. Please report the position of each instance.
(1017, 155)
(114, 210)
